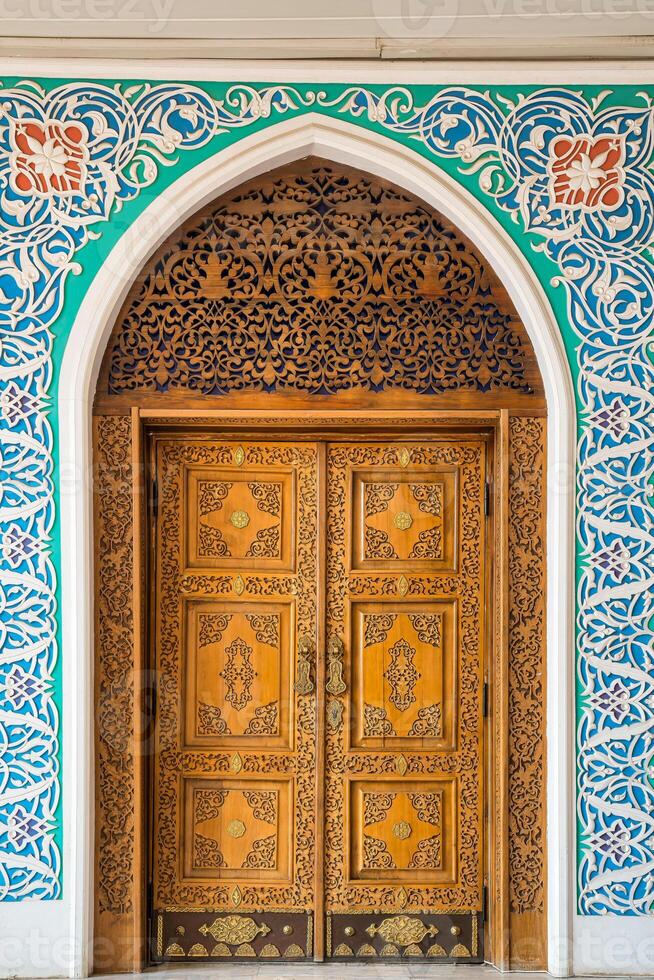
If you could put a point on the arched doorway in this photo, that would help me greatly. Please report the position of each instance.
(321, 312)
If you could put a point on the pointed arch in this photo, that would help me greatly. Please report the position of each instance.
(346, 144)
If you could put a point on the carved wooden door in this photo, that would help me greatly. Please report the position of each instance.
(234, 631)
(405, 600)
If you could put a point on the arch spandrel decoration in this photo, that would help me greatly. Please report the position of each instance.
(323, 281)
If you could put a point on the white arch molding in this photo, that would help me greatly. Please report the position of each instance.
(253, 155)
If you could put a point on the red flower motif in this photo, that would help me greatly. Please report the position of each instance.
(48, 157)
(587, 172)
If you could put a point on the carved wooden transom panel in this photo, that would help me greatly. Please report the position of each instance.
(318, 279)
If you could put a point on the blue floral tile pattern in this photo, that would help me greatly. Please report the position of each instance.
(575, 174)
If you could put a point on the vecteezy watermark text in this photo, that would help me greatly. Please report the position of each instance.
(153, 14)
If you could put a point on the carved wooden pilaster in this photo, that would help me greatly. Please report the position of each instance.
(117, 875)
(527, 811)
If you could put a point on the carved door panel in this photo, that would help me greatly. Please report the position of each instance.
(235, 629)
(405, 601)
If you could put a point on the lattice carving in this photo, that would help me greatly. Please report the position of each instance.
(262, 855)
(208, 803)
(428, 628)
(428, 722)
(264, 721)
(376, 722)
(282, 286)
(429, 497)
(427, 854)
(263, 804)
(376, 806)
(427, 806)
(376, 627)
(376, 855)
(212, 627)
(210, 720)
(526, 665)
(265, 627)
(207, 853)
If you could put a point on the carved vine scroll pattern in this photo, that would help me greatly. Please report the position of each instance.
(402, 674)
(115, 665)
(282, 286)
(526, 665)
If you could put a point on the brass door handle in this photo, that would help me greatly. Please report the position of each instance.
(335, 652)
(304, 682)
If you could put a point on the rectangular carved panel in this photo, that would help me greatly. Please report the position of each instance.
(237, 829)
(239, 666)
(403, 520)
(239, 518)
(402, 830)
(404, 674)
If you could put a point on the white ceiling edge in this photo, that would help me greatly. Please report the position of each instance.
(380, 22)
(604, 72)
(435, 51)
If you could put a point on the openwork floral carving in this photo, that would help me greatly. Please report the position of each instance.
(238, 673)
(115, 667)
(526, 666)
(402, 674)
(281, 287)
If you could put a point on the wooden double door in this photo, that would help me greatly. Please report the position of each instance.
(318, 637)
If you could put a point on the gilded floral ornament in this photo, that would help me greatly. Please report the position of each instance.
(234, 929)
(236, 828)
(403, 520)
(402, 929)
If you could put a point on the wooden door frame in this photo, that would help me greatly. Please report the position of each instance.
(121, 926)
